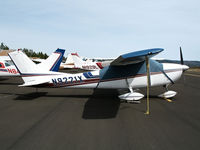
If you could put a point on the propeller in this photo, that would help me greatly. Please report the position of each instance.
(182, 63)
(185, 67)
(181, 56)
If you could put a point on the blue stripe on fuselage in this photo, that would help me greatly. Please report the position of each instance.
(89, 75)
(4, 70)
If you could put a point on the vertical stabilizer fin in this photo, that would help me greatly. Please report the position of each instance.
(22, 62)
(78, 62)
(52, 63)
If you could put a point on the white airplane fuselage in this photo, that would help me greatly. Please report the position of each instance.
(94, 79)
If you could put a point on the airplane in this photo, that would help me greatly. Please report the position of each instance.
(69, 63)
(7, 67)
(99, 59)
(86, 65)
(74, 61)
(129, 71)
(52, 63)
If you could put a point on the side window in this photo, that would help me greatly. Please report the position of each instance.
(9, 62)
(7, 65)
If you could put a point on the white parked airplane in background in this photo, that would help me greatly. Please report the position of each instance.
(75, 61)
(69, 63)
(129, 71)
(52, 63)
(86, 65)
(7, 68)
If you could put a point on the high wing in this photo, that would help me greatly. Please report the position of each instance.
(135, 57)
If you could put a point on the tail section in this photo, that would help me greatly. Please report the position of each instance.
(31, 73)
(23, 63)
(69, 63)
(52, 63)
(69, 59)
(78, 62)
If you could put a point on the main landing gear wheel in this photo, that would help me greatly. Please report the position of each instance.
(132, 96)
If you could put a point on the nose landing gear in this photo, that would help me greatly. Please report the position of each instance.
(168, 94)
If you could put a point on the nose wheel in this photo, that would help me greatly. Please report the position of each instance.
(168, 94)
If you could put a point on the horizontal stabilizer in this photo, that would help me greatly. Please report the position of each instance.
(135, 57)
(32, 83)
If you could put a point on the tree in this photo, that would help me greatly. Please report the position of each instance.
(45, 56)
(4, 47)
(28, 52)
(31, 53)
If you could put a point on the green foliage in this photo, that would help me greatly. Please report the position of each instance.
(28, 52)
(4, 47)
(31, 53)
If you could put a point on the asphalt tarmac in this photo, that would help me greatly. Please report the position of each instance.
(71, 119)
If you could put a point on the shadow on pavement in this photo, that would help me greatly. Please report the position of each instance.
(3, 78)
(30, 96)
(102, 104)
